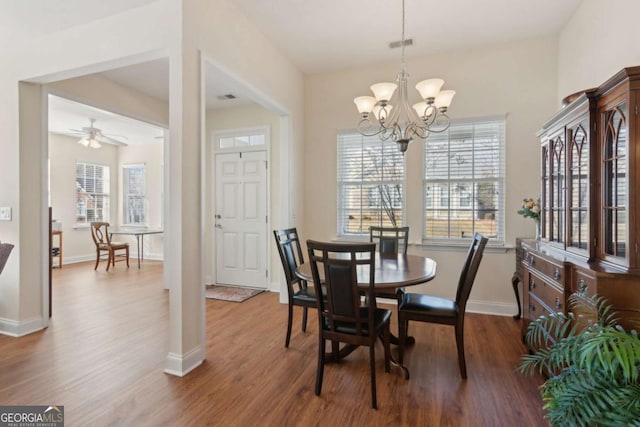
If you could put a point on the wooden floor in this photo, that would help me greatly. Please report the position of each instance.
(104, 353)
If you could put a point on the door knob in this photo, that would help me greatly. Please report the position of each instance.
(218, 226)
(218, 216)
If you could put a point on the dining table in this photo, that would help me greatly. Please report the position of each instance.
(391, 272)
(138, 233)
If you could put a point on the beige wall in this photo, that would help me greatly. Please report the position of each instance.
(598, 41)
(243, 117)
(516, 80)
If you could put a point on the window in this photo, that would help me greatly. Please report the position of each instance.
(92, 193)
(243, 139)
(370, 184)
(133, 180)
(464, 181)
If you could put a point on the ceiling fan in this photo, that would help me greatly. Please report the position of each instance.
(93, 137)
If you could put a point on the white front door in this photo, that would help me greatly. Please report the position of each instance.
(241, 219)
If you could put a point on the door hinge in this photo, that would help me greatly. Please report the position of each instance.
(266, 273)
(240, 154)
(266, 219)
(266, 164)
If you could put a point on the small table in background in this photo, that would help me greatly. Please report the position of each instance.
(139, 233)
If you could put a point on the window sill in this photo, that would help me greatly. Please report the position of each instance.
(461, 246)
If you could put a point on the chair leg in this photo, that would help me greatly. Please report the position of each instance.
(402, 329)
(372, 365)
(387, 348)
(109, 258)
(286, 343)
(460, 344)
(320, 370)
(127, 256)
(304, 319)
(97, 259)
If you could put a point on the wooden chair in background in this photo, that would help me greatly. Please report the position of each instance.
(102, 239)
(298, 293)
(342, 317)
(425, 308)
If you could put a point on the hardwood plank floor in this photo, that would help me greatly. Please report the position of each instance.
(103, 359)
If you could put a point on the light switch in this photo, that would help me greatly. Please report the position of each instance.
(5, 214)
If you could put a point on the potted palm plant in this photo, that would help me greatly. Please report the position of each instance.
(592, 365)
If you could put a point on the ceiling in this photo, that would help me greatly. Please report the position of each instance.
(316, 36)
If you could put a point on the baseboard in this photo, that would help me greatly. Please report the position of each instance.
(181, 365)
(489, 307)
(17, 329)
(133, 257)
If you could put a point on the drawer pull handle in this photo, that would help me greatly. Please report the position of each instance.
(556, 274)
(532, 285)
(532, 307)
(558, 303)
(582, 285)
(532, 260)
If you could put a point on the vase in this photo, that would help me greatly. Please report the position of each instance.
(538, 230)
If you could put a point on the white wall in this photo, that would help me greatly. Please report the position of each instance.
(243, 117)
(516, 79)
(598, 41)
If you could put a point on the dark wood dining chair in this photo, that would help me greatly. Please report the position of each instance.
(114, 250)
(298, 292)
(389, 242)
(342, 317)
(426, 308)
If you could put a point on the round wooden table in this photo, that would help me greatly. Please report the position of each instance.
(391, 271)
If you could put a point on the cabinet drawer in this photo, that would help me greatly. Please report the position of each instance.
(581, 281)
(545, 267)
(551, 296)
(535, 309)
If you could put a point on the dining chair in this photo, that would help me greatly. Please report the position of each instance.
(102, 239)
(298, 293)
(389, 242)
(431, 309)
(342, 317)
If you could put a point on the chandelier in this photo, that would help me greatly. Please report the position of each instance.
(398, 121)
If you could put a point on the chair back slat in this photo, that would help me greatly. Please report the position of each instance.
(390, 240)
(100, 233)
(469, 270)
(288, 244)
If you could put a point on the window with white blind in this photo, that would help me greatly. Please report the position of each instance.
(134, 195)
(92, 193)
(370, 184)
(464, 181)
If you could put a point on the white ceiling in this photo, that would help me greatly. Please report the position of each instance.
(317, 36)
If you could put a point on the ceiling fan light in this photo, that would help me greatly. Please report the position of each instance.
(93, 143)
(84, 142)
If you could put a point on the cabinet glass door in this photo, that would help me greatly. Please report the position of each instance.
(578, 203)
(556, 188)
(614, 182)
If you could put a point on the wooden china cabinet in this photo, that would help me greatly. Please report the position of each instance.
(590, 200)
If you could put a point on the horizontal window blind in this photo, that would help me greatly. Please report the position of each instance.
(92, 193)
(464, 181)
(370, 184)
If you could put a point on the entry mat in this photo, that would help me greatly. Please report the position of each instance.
(230, 293)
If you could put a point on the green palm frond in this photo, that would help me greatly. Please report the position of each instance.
(593, 365)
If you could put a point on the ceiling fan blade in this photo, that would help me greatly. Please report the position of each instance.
(109, 140)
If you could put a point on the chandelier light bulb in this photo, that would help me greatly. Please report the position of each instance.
(383, 91)
(429, 88)
(365, 104)
(444, 98)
